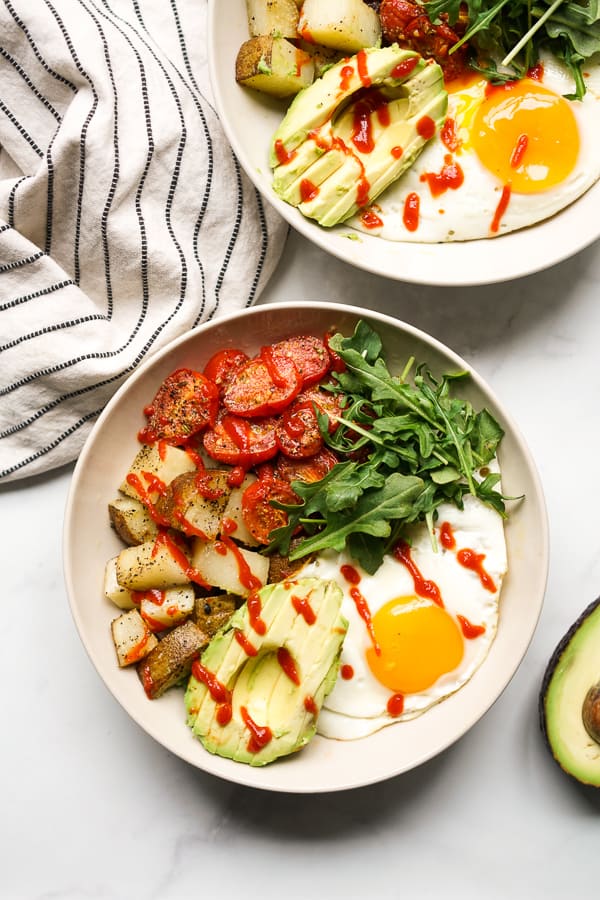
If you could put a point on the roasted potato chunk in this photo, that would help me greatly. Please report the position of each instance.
(211, 613)
(131, 520)
(166, 609)
(228, 568)
(233, 513)
(171, 660)
(195, 501)
(153, 462)
(274, 66)
(346, 25)
(132, 638)
(154, 565)
(272, 17)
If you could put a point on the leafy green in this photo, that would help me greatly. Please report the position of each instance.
(408, 446)
(507, 36)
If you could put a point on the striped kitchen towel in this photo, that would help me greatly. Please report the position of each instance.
(125, 219)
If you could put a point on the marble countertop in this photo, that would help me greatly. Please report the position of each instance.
(93, 808)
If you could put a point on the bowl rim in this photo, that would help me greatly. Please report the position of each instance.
(247, 775)
(446, 264)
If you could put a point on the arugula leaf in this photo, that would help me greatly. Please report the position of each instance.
(408, 447)
(506, 38)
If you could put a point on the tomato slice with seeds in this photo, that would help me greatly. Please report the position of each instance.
(223, 365)
(308, 353)
(309, 470)
(241, 442)
(298, 434)
(259, 516)
(263, 386)
(185, 403)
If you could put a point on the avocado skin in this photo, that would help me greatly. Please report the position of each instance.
(551, 673)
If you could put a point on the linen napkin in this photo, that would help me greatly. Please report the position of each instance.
(125, 219)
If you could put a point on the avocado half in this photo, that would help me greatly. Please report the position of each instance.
(570, 699)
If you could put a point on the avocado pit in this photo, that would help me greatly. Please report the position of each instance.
(590, 712)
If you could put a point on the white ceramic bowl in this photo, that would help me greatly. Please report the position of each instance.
(325, 764)
(250, 120)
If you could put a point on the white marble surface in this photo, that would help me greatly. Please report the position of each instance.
(92, 808)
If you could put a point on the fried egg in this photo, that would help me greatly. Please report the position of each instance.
(507, 156)
(420, 626)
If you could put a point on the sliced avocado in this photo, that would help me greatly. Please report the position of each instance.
(243, 677)
(569, 698)
(321, 161)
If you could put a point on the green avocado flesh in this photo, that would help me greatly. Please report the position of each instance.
(355, 130)
(260, 684)
(573, 669)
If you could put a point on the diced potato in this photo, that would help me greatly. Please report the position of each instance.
(281, 567)
(171, 661)
(161, 461)
(272, 17)
(132, 638)
(346, 25)
(151, 566)
(322, 57)
(194, 502)
(131, 520)
(274, 66)
(165, 609)
(227, 569)
(113, 591)
(233, 513)
(211, 613)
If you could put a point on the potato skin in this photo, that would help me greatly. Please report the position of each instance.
(211, 613)
(274, 66)
(171, 660)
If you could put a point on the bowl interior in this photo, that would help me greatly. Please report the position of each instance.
(325, 764)
(250, 119)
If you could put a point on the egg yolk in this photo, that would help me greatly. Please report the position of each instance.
(526, 135)
(419, 641)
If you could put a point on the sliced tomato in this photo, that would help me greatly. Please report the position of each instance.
(309, 470)
(263, 386)
(336, 363)
(223, 365)
(329, 403)
(308, 353)
(298, 434)
(241, 442)
(259, 516)
(185, 403)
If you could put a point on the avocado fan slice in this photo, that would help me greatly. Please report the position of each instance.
(251, 668)
(569, 704)
(356, 130)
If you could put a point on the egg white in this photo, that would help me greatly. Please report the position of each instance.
(467, 212)
(358, 706)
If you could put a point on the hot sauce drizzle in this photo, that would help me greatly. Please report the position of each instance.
(370, 219)
(286, 661)
(283, 156)
(304, 609)
(345, 75)
(405, 67)
(347, 672)
(447, 538)
(449, 135)
(410, 216)
(362, 607)
(469, 630)
(501, 208)
(451, 177)
(310, 706)
(395, 705)
(423, 587)
(248, 648)
(474, 561)
(254, 610)
(308, 190)
(426, 127)
(516, 157)
(362, 68)
(143, 493)
(219, 693)
(260, 735)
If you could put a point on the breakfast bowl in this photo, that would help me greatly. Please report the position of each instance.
(251, 118)
(324, 764)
